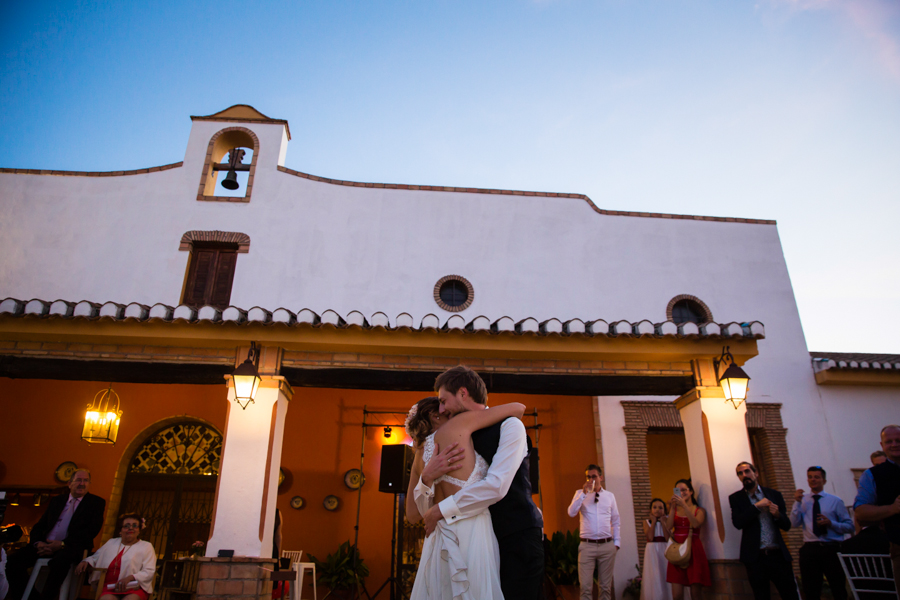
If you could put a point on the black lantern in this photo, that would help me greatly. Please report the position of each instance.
(246, 378)
(733, 380)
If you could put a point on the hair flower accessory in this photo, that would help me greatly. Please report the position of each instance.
(410, 417)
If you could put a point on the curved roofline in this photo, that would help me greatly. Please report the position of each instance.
(594, 207)
(91, 173)
(402, 186)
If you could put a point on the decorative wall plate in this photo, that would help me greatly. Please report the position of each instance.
(280, 477)
(331, 503)
(298, 502)
(65, 471)
(354, 479)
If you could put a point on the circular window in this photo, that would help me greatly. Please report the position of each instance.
(688, 309)
(453, 293)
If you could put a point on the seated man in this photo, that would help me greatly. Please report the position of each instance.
(64, 532)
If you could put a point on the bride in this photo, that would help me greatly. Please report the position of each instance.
(460, 559)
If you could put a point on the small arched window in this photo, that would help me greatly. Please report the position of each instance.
(688, 309)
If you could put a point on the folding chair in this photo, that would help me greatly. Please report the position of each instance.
(870, 575)
(70, 587)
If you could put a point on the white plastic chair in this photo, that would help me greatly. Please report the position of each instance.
(302, 568)
(68, 590)
(864, 570)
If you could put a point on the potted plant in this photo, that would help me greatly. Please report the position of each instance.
(342, 571)
(562, 563)
(197, 549)
(633, 588)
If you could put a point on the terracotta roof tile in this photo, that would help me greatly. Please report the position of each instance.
(85, 310)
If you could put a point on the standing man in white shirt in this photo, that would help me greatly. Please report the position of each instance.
(598, 518)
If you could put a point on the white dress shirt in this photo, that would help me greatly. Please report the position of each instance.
(478, 497)
(597, 520)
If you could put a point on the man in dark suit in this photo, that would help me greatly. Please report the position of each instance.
(66, 529)
(759, 512)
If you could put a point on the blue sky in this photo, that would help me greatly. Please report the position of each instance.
(780, 109)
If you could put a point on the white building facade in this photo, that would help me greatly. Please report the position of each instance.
(542, 277)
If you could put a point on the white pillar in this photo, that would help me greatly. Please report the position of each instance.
(244, 514)
(717, 440)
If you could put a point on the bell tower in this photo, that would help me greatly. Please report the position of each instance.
(239, 143)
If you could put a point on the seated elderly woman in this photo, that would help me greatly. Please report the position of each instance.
(130, 563)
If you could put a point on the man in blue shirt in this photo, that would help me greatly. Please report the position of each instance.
(878, 496)
(825, 521)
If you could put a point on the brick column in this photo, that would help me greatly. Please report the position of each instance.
(237, 578)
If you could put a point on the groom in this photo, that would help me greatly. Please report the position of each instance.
(506, 489)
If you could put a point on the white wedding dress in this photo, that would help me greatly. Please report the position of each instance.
(459, 560)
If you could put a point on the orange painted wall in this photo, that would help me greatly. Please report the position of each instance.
(668, 462)
(41, 421)
(322, 441)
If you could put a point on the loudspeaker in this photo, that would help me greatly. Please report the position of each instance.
(534, 469)
(396, 463)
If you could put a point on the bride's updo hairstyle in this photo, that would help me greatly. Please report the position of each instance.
(418, 422)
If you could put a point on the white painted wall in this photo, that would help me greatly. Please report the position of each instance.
(322, 246)
(617, 475)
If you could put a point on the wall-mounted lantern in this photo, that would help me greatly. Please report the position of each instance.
(734, 380)
(246, 378)
(101, 421)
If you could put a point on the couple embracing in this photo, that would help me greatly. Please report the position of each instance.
(470, 483)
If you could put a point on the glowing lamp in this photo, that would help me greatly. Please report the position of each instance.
(101, 421)
(246, 379)
(387, 431)
(734, 381)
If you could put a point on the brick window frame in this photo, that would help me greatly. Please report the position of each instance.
(707, 314)
(469, 289)
(219, 237)
(219, 145)
(764, 424)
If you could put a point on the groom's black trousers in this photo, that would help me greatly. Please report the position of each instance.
(522, 565)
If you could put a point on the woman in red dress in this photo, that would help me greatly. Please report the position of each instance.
(130, 563)
(684, 514)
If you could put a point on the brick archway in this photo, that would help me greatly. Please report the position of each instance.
(768, 437)
(235, 136)
(115, 496)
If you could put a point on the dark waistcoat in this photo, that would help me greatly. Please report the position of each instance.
(516, 511)
(887, 488)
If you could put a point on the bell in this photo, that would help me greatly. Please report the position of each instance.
(231, 182)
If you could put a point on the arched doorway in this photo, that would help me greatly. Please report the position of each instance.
(171, 481)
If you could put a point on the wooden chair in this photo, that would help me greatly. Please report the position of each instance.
(96, 587)
(294, 555)
(869, 575)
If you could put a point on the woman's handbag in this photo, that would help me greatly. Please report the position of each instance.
(680, 554)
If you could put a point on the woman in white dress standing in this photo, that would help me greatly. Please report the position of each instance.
(653, 580)
(460, 560)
